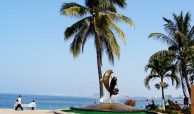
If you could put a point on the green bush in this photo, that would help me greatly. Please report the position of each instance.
(168, 111)
(186, 110)
(172, 111)
(173, 106)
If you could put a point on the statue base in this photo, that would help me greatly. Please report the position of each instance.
(108, 107)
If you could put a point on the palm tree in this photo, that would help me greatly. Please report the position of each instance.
(98, 23)
(180, 39)
(161, 68)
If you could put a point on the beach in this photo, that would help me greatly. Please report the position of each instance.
(12, 111)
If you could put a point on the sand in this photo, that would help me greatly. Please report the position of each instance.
(12, 111)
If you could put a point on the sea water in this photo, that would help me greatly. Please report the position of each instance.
(60, 102)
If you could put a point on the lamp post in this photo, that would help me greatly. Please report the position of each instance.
(192, 94)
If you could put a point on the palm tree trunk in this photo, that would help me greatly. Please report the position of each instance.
(99, 60)
(183, 87)
(188, 85)
(182, 74)
(163, 100)
(100, 75)
(185, 77)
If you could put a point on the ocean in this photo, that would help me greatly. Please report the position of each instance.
(60, 102)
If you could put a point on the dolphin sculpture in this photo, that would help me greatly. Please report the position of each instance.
(105, 79)
(113, 90)
(110, 86)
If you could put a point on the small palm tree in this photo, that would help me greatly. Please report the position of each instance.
(161, 68)
(180, 38)
(98, 23)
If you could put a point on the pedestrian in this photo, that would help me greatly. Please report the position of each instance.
(147, 104)
(18, 103)
(167, 104)
(33, 104)
(153, 106)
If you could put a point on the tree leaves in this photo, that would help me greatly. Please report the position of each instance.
(73, 9)
(99, 25)
(180, 40)
(161, 67)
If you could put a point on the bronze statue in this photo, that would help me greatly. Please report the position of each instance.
(110, 86)
(105, 79)
(109, 106)
(113, 90)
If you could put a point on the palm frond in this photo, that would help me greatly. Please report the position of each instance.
(88, 33)
(186, 22)
(162, 37)
(118, 30)
(191, 34)
(170, 26)
(182, 38)
(120, 3)
(73, 29)
(119, 17)
(79, 41)
(76, 45)
(175, 79)
(111, 40)
(173, 48)
(147, 80)
(151, 66)
(108, 48)
(73, 9)
(106, 5)
(179, 22)
(107, 37)
(163, 54)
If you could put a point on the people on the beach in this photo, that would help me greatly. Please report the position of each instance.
(147, 104)
(33, 104)
(20, 99)
(18, 103)
(186, 101)
(167, 104)
(152, 106)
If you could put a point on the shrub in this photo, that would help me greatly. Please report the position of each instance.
(167, 111)
(130, 102)
(173, 106)
(186, 110)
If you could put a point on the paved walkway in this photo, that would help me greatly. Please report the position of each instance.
(11, 111)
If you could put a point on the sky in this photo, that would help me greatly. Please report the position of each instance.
(35, 59)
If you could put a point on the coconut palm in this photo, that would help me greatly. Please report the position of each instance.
(161, 68)
(180, 39)
(103, 5)
(98, 23)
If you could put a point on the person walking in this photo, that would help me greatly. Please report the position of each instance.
(19, 103)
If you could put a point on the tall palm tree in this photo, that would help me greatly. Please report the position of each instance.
(161, 68)
(180, 39)
(98, 23)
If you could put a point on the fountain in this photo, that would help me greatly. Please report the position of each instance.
(108, 107)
